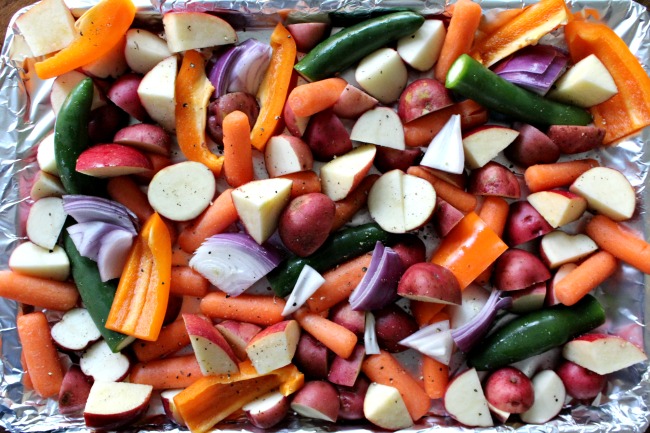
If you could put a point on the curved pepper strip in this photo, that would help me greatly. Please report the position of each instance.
(141, 299)
(524, 29)
(628, 111)
(275, 86)
(212, 399)
(469, 249)
(100, 29)
(193, 90)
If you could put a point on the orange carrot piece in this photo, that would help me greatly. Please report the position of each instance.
(425, 312)
(41, 357)
(436, 377)
(39, 292)
(461, 200)
(542, 177)
(27, 381)
(464, 22)
(586, 277)
(335, 337)
(237, 151)
(124, 190)
(313, 97)
(304, 182)
(187, 282)
(180, 257)
(347, 207)
(257, 309)
(167, 373)
(494, 213)
(420, 132)
(215, 219)
(339, 283)
(386, 370)
(172, 337)
(620, 242)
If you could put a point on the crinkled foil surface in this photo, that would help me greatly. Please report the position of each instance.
(26, 117)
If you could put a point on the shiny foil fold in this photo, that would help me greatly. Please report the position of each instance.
(26, 118)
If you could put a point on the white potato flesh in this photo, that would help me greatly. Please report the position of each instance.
(76, 330)
(384, 406)
(182, 191)
(30, 259)
(342, 174)
(63, 85)
(45, 221)
(383, 75)
(157, 92)
(586, 84)
(549, 398)
(422, 48)
(381, 126)
(52, 15)
(259, 204)
(45, 155)
(192, 30)
(46, 185)
(144, 50)
(102, 364)
(607, 192)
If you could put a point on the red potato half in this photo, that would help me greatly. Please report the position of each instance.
(509, 390)
(306, 222)
(267, 410)
(532, 147)
(494, 179)
(114, 404)
(351, 399)
(318, 400)
(76, 330)
(226, 104)
(312, 357)
(353, 102)
(285, 154)
(145, 137)
(274, 346)
(389, 158)
(524, 224)
(212, 351)
(422, 97)
(111, 160)
(572, 139)
(105, 122)
(607, 191)
(307, 35)
(124, 94)
(517, 269)
(343, 174)
(238, 334)
(465, 402)
(602, 353)
(410, 249)
(74, 391)
(102, 364)
(558, 207)
(326, 136)
(345, 371)
(445, 217)
(429, 282)
(392, 325)
(344, 315)
(580, 383)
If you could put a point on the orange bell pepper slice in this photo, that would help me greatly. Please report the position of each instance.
(101, 28)
(193, 90)
(628, 111)
(140, 302)
(212, 399)
(275, 86)
(469, 249)
(522, 30)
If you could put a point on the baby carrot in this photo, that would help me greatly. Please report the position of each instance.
(237, 151)
(180, 257)
(187, 282)
(167, 373)
(313, 97)
(586, 277)
(464, 22)
(172, 337)
(27, 382)
(353, 202)
(425, 313)
(436, 377)
(335, 337)
(39, 292)
(124, 190)
(41, 357)
(386, 370)
(215, 219)
(339, 283)
(420, 132)
(617, 240)
(257, 309)
(542, 177)
(304, 182)
(461, 200)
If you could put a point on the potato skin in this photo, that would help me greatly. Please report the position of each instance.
(430, 282)
(326, 136)
(494, 179)
(532, 147)
(222, 106)
(572, 139)
(393, 325)
(306, 222)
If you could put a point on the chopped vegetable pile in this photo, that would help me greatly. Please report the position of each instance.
(398, 219)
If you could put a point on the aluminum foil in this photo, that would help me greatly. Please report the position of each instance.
(26, 118)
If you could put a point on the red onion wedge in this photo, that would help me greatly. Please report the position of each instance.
(378, 287)
(85, 208)
(370, 335)
(233, 261)
(88, 236)
(434, 341)
(241, 68)
(308, 282)
(535, 68)
(470, 333)
(113, 252)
